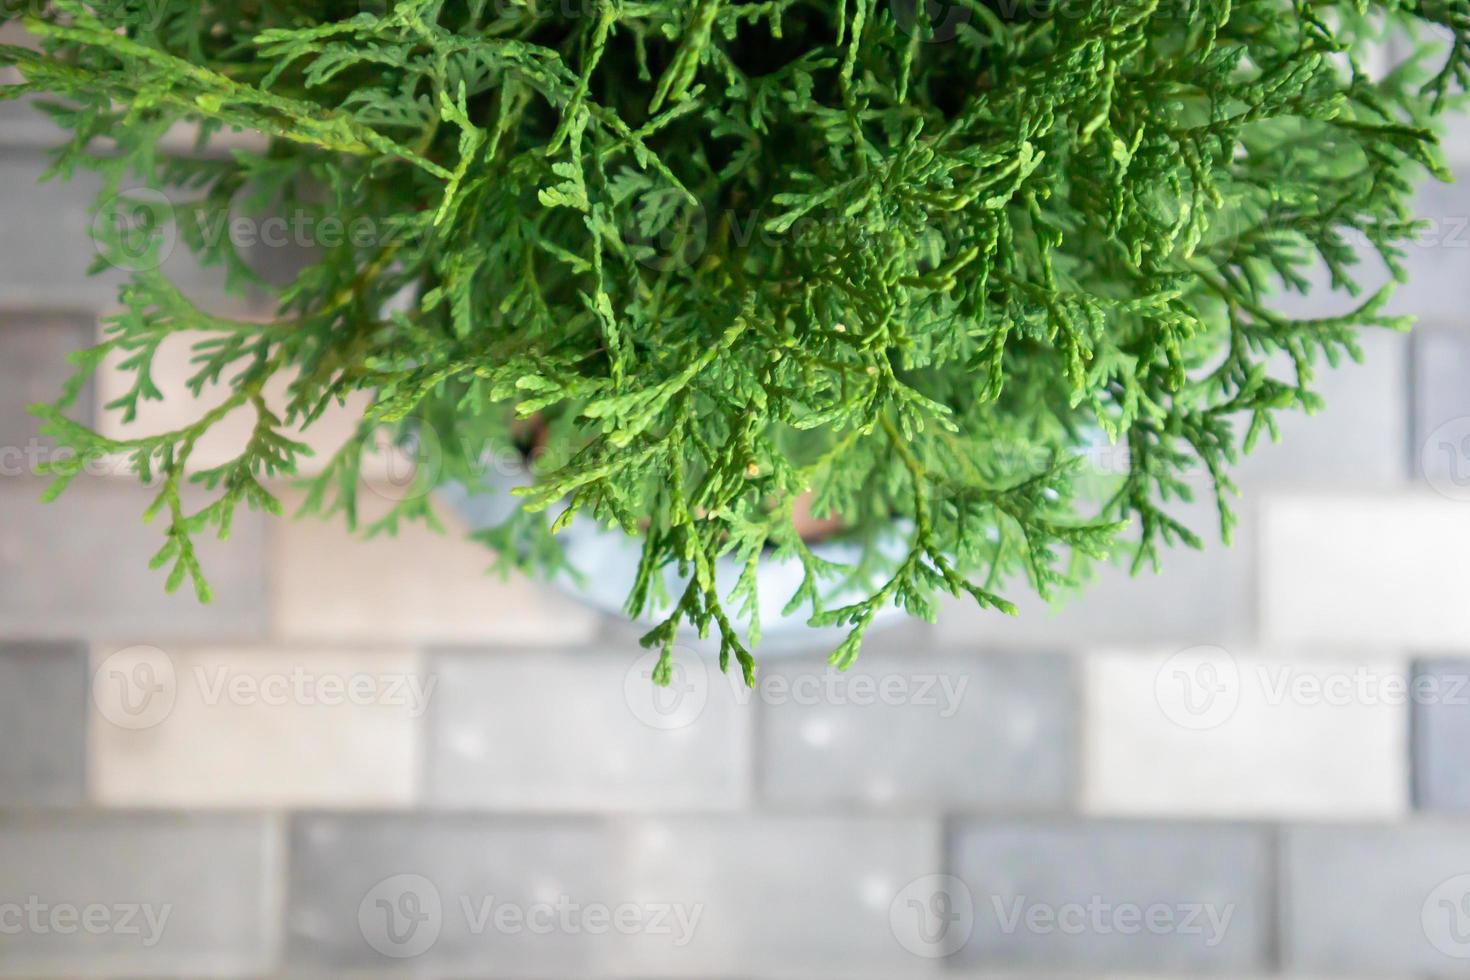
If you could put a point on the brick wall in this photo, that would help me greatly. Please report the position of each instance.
(367, 757)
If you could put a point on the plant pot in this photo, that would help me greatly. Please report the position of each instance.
(607, 562)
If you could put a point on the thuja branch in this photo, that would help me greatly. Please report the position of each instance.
(723, 255)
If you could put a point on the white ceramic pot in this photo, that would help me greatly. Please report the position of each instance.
(607, 559)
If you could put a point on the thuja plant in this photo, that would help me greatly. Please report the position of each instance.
(901, 260)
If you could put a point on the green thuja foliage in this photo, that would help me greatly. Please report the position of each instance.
(912, 257)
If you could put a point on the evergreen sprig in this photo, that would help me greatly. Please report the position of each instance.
(910, 257)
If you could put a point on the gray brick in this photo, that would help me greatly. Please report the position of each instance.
(1442, 735)
(594, 750)
(1438, 289)
(786, 896)
(918, 728)
(43, 691)
(1204, 596)
(760, 896)
(1117, 896)
(1375, 900)
(1442, 407)
(45, 264)
(79, 567)
(211, 878)
(33, 368)
(341, 867)
(1357, 440)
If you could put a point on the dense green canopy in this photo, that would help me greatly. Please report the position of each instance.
(912, 256)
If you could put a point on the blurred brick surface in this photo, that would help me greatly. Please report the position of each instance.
(46, 267)
(1376, 900)
(1080, 768)
(757, 897)
(1438, 290)
(1144, 897)
(1441, 441)
(1210, 593)
(1442, 735)
(1209, 732)
(79, 567)
(1366, 570)
(42, 724)
(419, 586)
(1358, 439)
(33, 368)
(355, 882)
(783, 895)
(918, 728)
(132, 895)
(172, 367)
(259, 728)
(581, 730)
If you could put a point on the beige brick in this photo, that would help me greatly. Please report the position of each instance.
(227, 438)
(418, 586)
(255, 727)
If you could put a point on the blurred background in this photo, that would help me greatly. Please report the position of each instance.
(368, 757)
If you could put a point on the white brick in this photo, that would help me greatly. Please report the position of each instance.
(1364, 571)
(1207, 732)
(256, 728)
(418, 586)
